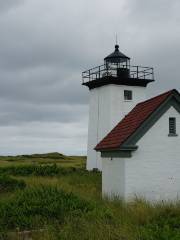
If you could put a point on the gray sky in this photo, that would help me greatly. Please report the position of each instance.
(44, 47)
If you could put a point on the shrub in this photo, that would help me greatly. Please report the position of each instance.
(8, 183)
(34, 207)
(37, 170)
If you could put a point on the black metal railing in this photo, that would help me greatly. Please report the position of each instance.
(136, 72)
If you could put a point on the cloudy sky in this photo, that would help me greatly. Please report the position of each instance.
(46, 44)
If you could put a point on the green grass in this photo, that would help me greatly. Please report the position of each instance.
(38, 170)
(63, 201)
(35, 207)
(8, 184)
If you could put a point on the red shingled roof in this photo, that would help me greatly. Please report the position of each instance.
(131, 122)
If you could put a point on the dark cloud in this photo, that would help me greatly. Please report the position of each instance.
(43, 86)
(18, 114)
(9, 4)
(44, 47)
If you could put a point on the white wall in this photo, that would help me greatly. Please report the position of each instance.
(99, 123)
(154, 169)
(113, 177)
(106, 108)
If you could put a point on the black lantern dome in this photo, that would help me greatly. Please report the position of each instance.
(116, 56)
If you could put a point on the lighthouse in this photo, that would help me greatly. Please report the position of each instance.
(115, 88)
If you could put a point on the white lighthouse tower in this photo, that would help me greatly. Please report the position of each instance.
(115, 88)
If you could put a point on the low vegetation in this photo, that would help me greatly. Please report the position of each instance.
(37, 170)
(48, 158)
(35, 207)
(8, 183)
(58, 199)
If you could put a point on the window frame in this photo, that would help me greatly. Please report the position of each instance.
(126, 92)
(172, 127)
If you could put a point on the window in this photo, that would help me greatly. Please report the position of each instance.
(172, 126)
(127, 95)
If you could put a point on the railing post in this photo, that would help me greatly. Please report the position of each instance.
(137, 72)
(89, 75)
(99, 71)
(152, 73)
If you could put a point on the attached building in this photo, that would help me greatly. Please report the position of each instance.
(141, 155)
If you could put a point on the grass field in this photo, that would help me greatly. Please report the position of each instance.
(49, 158)
(52, 197)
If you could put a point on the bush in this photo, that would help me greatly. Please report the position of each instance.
(34, 207)
(36, 170)
(53, 155)
(9, 184)
(164, 224)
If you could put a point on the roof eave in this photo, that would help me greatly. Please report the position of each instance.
(123, 152)
(121, 148)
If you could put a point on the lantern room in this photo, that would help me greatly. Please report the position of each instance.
(119, 62)
(117, 70)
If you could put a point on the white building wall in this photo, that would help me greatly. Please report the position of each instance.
(106, 108)
(113, 177)
(92, 132)
(154, 170)
(99, 123)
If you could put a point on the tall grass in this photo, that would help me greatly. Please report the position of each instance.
(119, 222)
(8, 183)
(36, 207)
(67, 204)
